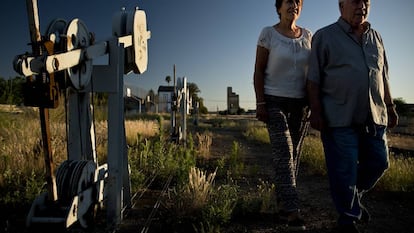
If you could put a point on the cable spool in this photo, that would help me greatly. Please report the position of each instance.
(73, 177)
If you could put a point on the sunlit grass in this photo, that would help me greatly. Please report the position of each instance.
(313, 156)
(21, 150)
(399, 176)
(258, 134)
(203, 143)
(135, 129)
(150, 152)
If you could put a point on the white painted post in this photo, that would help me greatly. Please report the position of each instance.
(184, 107)
(117, 161)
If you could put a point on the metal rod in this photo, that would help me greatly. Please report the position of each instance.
(36, 39)
(303, 132)
(34, 26)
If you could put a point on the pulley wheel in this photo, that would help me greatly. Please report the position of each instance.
(54, 32)
(140, 37)
(78, 37)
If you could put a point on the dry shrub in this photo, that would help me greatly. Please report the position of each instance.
(194, 195)
(400, 175)
(199, 187)
(21, 148)
(313, 155)
(140, 128)
(203, 143)
(255, 131)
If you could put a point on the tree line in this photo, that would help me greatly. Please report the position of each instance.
(11, 92)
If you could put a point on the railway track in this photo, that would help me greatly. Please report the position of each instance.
(145, 206)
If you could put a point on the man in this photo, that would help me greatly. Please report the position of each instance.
(351, 105)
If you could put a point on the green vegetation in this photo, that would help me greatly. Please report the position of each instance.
(399, 176)
(312, 155)
(11, 90)
(206, 191)
(258, 134)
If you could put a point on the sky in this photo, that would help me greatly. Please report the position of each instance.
(212, 43)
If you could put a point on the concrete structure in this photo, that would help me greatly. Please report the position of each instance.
(232, 101)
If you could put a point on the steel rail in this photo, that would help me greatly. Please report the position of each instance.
(156, 206)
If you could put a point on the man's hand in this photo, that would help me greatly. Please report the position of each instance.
(392, 117)
(316, 120)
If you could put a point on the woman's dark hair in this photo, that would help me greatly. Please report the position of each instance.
(278, 4)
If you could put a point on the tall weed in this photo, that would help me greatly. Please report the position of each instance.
(313, 156)
(257, 134)
(399, 176)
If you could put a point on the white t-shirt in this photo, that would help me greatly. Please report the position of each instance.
(287, 65)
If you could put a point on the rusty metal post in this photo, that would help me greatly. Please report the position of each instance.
(36, 40)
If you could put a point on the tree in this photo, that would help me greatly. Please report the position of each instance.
(3, 90)
(401, 107)
(202, 109)
(193, 90)
(168, 79)
(11, 90)
(193, 93)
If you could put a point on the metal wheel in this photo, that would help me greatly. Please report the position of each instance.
(72, 178)
(54, 32)
(79, 37)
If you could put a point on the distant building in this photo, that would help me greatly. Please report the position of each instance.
(232, 101)
(134, 99)
(165, 95)
(410, 108)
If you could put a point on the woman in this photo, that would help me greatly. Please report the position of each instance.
(279, 81)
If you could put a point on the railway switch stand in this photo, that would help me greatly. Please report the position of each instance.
(62, 61)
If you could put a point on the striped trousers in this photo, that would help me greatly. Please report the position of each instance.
(287, 117)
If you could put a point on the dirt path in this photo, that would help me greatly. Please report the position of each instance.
(391, 212)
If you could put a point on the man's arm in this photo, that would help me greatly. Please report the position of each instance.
(316, 118)
(391, 111)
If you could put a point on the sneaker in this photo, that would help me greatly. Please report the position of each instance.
(348, 228)
(297, 224)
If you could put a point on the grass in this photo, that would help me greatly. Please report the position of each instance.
(313, 156)
(257, 134)
(201, 205)
(21, 153)
(399, 176)
(196, 199)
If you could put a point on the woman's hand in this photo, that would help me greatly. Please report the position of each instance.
(261, 113)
